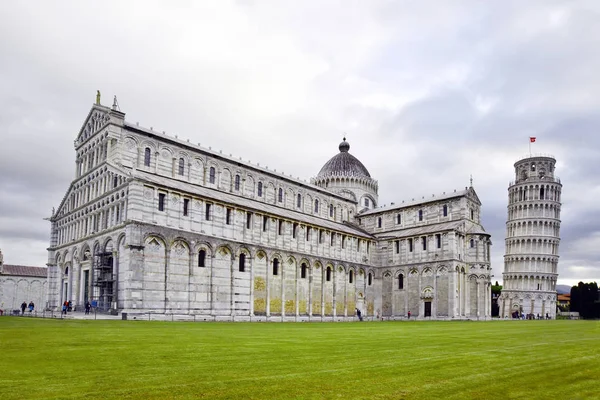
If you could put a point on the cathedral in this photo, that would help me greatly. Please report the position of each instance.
(153, 225)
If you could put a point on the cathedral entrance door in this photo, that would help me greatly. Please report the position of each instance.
(428, 309)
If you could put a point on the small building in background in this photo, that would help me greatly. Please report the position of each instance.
(20, 283)
(563, 301)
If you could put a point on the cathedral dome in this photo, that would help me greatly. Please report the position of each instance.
(343, 164)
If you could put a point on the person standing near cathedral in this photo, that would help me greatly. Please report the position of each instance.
(409, 315)
(23, 307)
(31, 306)
(359, 314)
(88, 306)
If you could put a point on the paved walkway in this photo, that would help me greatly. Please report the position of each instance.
(70, 315)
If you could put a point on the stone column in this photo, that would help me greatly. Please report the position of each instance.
(323, 291)
(451, 293)
(406, 291)
(190, 273)
(345, 295)
(421, 301)
(434, 303)
(282, 288)
(544, 308)
(250, 263)
(211, 284)
(334, 285)
(70, 282)
(478, 286)
(167, 269)
(296, 283)
(467, 296)
(310, 290)
(231, 285)
(268, 281)
(74, 292)
(115, 298)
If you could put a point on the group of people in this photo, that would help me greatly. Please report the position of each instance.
(360, 318)
(67, 307)
(518, 315)
(25, 306)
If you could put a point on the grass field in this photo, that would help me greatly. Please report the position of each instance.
(377, 360)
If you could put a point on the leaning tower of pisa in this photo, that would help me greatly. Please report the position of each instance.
(532, 238)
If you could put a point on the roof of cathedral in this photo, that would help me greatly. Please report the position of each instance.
(423, 200)
(250, 203)
(219, 154)
(343, 164)
(477, 230)
(22, 270)
(423, 230)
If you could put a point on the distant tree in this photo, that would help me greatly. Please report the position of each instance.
(585, 300)
(496, 290)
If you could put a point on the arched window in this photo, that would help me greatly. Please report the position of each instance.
(303, 269)
(420, 215)
(280, 195)
(472, 243)
(237, 182)
(445, 210)
(275, 267)
(370, 279)
(202, 258)
(331, 210)
(242, 266)
(259, 189)
(379, 222)
(67, 271)
(328, 274)
(115, 182)
(299, 201)
(181, 166)
(399, 218)
(532, 167)
(351, 276)
(316, 206)
(400, 281)
(147, 155)
(211, 175)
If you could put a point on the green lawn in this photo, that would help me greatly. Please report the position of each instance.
(370, 360)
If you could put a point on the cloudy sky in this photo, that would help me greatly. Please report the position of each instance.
(428, 93)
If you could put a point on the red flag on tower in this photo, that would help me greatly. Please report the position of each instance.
(531, 139)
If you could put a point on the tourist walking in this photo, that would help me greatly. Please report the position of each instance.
(31, 306)
(87, 307)
(23, 307)
(409, 315)
(359, 314)
(64, 308)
